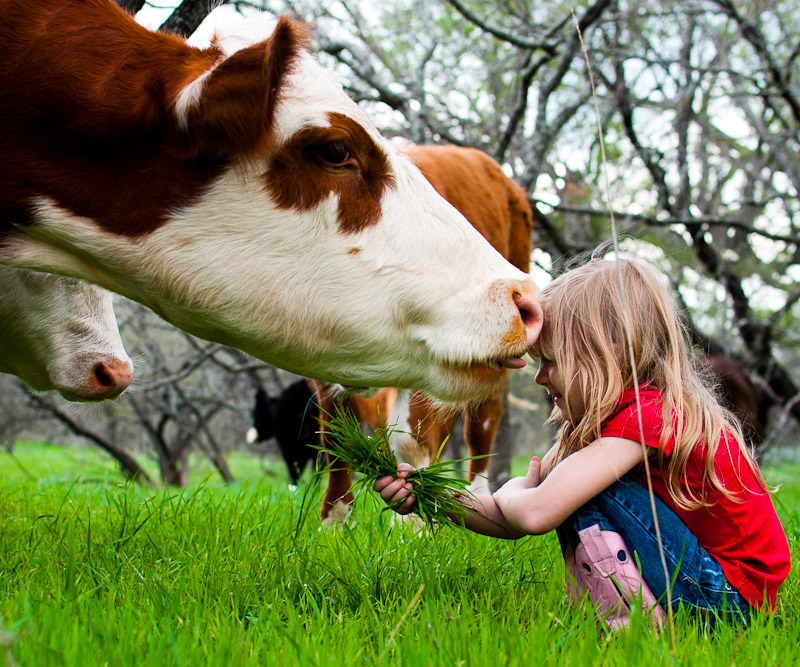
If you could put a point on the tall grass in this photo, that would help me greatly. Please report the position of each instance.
(95, 572)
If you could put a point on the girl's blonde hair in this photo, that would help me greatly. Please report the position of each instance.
(590, 313)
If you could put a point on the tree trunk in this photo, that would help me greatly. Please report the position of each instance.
(174, 468)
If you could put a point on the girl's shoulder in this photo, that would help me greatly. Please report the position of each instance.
(635, 417)
(648, 396)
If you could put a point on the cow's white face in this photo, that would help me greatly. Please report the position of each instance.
(60, 333)
(322, 250)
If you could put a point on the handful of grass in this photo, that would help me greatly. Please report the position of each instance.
(436, 489)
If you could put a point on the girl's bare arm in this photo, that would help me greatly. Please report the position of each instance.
(534, 510)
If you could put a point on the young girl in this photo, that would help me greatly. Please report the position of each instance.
(626, 430)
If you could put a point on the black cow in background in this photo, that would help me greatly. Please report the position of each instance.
(292, 419)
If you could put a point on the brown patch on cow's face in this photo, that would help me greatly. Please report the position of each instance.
(341, 159)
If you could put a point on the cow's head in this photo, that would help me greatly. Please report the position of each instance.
(60, 333)
(263, 415)
(244, 197)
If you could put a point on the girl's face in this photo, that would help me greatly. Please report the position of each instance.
(549, 377)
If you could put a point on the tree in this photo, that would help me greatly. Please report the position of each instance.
(698, 103)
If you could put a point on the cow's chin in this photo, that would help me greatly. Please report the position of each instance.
(449, 385)
(457, 384)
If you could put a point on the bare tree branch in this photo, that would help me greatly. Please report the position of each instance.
(753, 35)
(189, 367)
(560, 247)
(130, 468)
(549, 47)
(663, 222)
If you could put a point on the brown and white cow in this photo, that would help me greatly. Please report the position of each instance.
(61, 333)
(476, 185)
(241, 194)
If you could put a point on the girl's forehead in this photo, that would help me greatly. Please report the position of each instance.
(541, 349)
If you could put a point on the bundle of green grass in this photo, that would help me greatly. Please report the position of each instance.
(436, 488)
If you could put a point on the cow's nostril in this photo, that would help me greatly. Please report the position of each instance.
(111, 378)
(527, 315)
(103, 375)
(530, 313)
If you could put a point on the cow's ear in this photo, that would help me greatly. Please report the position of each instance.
(230, 110)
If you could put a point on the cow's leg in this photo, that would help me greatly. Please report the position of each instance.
(291, 457)
(337, 500)
(420, 429)
(480, 430)
(417, 434)
(371, 412)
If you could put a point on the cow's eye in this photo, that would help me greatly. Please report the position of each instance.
(332, 154)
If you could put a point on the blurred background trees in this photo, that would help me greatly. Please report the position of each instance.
(699, 106)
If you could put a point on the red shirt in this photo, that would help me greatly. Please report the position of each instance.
(746, 538)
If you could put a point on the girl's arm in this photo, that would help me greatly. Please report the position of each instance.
(526, 505)
(482, 515)
(538, 509)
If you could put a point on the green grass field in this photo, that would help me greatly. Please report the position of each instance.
(94, 571)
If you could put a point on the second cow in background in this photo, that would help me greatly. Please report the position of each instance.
(293, 420)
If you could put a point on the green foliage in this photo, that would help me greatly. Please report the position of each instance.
(94, 574)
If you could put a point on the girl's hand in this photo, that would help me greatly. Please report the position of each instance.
(529, 481)
(396, 491)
